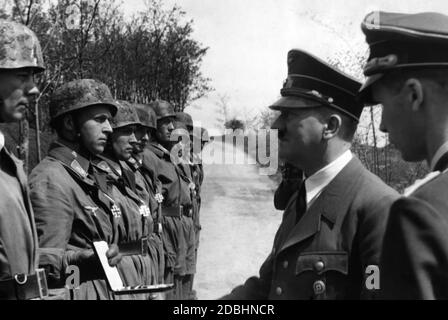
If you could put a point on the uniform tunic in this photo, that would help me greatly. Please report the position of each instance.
(414, 262)
(71, 213)
(327, 253)
(148, 189)
(134, 225)
(176, 193)
(18, 238)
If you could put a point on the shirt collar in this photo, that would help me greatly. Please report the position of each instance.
(317, 182)
(438, 155)
(2, 141)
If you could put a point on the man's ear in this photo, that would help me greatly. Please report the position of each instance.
(332, 127)
(69, 123)
(415, 94)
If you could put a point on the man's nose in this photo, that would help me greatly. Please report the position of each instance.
(132, 138)
(170, 126)
(383, 127)
(277, 125)
(31, 87)
(107, 127)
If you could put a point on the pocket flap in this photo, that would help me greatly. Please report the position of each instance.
(321, 262)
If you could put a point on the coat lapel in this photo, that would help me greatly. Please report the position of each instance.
(22, 178)
(307, 226)
(330, 205)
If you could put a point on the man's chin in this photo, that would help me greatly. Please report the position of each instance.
(97, 151)
(10, 118)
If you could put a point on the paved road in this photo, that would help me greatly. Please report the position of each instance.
(239, 222)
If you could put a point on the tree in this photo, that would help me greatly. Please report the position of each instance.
(234, 124)
(152, 56)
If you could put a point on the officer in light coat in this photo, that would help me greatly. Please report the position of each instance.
(20, 58)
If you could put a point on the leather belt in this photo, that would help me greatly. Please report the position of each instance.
(139, 247)
(25, 287)
(177, 211)
(173, 211)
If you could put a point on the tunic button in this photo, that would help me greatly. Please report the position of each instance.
(286, 264)
(279, 291)
(319, 287)
(319, 266)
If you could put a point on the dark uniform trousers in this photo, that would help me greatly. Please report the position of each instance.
(325, 255)
(414, 263)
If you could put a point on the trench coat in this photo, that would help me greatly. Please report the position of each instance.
(18, 237)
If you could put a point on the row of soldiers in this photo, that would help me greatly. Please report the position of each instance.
(111, 175)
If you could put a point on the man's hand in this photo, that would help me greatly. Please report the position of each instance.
(113, 255)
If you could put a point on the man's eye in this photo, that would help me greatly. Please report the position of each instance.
(101, 119)
(24, 76)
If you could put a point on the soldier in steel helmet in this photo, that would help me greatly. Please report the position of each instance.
(176, 206)
(72, 206)
(146, 182)
(137, 242)
(147, 129)
(194, 171)
(183, 149)
(20, 59)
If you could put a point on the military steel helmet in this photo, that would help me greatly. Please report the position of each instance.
(79, 94)
(19, 47)
(185, 118)
(180, 125)
(147, 116)
(126, 115)
(163, 109)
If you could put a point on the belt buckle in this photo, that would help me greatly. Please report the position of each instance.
(181, 211)
(42, 283)
(144, 246)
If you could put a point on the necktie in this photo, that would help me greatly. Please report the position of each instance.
(2, 141)
(301, 205)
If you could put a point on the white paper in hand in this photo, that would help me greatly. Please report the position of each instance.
(112, 275)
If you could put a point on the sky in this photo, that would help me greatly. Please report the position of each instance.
(248, 42)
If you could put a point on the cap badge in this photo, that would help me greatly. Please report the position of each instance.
(382, 63)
